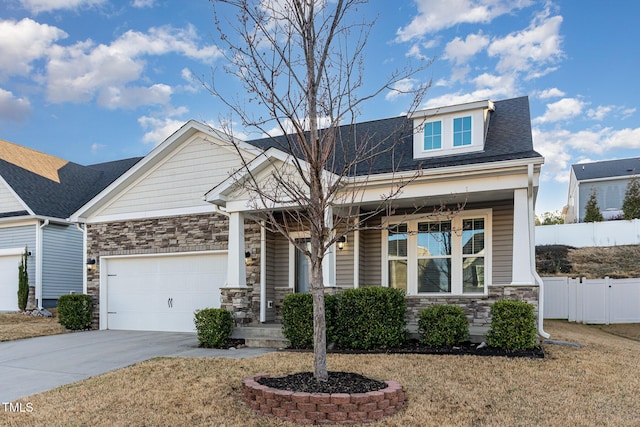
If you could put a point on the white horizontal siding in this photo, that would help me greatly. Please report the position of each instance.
(178, 182)
(8, 201)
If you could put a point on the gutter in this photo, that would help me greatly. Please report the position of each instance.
(83, 229)
(532, 244)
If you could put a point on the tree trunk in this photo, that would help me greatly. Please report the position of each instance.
(319, 324)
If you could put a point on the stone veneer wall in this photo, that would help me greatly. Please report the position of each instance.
(188, 233)
(477, 310)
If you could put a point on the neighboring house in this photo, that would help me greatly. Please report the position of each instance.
(38, 192)
(174, 233)
(608, 178)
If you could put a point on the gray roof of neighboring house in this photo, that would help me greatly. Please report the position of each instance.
(508, 138)
(607, 169)
(53, 187)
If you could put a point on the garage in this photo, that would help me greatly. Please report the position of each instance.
(160, 292)
(9, 262)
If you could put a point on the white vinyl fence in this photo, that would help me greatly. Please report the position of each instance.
(592, 300)
(607, 233)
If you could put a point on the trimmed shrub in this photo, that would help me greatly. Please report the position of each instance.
(369, 318)
(75, 311)
(214, 327)
(442, 326)
(23, 281)
(297, 319)
(513, 325)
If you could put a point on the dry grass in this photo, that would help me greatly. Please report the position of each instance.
(15, 326)
(617, 262)
(590, 386)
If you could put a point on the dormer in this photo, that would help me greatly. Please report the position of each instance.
(451, 130)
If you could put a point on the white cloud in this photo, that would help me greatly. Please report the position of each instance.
(158, 129)
(460, 51)
(133, 97)
(84, 71)
(140, 4)
(488, 86)
(556, 155)
(23, 42)
(600, 112)
(37, 6)
(627, 112)
(401, 88)
(13, 108)
(435, 15)
(550, 93)
(95, 147)
(530, 50)
(564, 109)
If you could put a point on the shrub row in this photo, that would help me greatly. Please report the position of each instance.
(371, 318)
(362, 319)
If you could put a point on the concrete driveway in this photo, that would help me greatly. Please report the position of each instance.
(38, 364)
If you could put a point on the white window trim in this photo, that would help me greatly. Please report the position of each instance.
(292, 255)
(446, 138)
(456, 258)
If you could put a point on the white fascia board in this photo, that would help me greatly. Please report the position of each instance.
(608, 178)
(429, 112)
(451, 171)
(24, 205)
(31, 219)
(195, 210)
(153, 158)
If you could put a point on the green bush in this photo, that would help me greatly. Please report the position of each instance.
(442, 326)
(369, 318)
(23, 281)
(513, 325)
(214, 327)
(75, 311)
(297, 319)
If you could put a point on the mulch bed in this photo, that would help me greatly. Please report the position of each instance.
(338, 382)
(466, 348)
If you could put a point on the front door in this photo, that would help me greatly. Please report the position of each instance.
(303, 267)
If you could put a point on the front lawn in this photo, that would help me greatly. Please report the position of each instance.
(596, 384)
(16, 326)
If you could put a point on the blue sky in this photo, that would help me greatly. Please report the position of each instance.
(96, 80)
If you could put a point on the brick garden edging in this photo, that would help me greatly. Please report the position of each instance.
(322, 408)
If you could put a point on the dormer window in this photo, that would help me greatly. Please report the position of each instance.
(433, 135)
(462, 131)
(452, 130)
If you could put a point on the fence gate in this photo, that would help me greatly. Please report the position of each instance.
(592, 300)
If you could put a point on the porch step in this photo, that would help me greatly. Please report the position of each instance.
(267, 335)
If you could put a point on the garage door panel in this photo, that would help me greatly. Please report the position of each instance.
(162, 292)
(9, 282)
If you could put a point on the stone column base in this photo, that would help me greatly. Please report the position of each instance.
(238, 301)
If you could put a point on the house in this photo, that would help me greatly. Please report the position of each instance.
(38, 192)
(175, 232)
(608, 178)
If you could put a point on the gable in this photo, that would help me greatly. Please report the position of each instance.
(8, 200)
(177, 183)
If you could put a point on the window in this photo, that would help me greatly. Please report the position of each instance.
(432, 135)
(448, 256)
(434, 256)
(462, 131)
(397, 255)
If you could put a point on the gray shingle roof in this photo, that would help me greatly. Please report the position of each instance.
(508, 138)
(607, 169)
(59, 198)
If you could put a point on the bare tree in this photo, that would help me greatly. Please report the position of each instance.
(302, 62)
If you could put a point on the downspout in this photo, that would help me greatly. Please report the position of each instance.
(39, 253)
(83, 229)
(263, 272)
(532, 243)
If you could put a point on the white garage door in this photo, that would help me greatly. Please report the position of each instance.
(9, 282)
(160, 293)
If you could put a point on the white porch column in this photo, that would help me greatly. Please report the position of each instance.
(521, 268)
(329, 261)
(236, 269)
